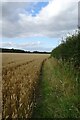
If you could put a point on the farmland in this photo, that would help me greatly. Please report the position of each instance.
(59, 92)
(20, 76)
(41, 85)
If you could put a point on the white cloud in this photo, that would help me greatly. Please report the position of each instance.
(21, 45)
(54, 20)
(31, 46)
(24, 0)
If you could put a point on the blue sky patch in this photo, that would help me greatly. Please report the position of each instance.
(35, 8)
(46, 44)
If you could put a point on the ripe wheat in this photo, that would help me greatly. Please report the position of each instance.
(20, 75)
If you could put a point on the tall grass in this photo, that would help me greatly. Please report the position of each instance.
(59, 95)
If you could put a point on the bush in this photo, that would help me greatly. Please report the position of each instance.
(69, 51)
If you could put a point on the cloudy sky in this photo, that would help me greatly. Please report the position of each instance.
(38, 25)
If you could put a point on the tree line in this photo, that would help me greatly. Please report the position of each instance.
(69, 50)
(20, 51)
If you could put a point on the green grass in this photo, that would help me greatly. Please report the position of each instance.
(58, 95)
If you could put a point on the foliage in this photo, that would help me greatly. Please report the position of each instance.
(69, 50)
(6, 50)
(58, 96)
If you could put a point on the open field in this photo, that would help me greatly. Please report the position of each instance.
(20, 75)
(37, 87)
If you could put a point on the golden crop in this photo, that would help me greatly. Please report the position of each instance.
(20, 75)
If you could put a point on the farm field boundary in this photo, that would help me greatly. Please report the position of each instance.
(58, 96)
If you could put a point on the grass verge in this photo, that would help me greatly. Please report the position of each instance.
(58, 96)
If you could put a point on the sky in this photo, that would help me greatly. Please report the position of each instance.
(36, 24)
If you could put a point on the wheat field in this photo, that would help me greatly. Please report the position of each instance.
(20, 76)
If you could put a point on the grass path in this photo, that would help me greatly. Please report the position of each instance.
(58, 96)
